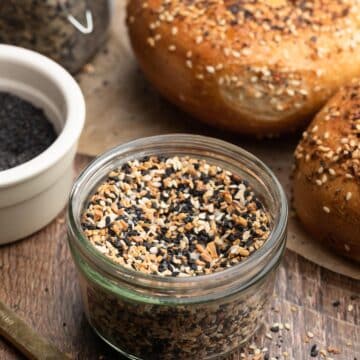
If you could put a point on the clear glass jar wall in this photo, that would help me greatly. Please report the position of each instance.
(203, 317)
(69, 32)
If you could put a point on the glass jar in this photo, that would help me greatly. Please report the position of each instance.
(201, 317)
(68, 31)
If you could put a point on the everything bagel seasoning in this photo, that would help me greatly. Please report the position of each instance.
(175, 216)
(199, 224)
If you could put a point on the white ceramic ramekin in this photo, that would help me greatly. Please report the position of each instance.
(33, 193)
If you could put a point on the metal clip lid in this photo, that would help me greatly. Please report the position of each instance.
(84, 29)
(88, 29)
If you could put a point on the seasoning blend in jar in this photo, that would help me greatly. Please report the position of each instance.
(69, 32)
(176, 239)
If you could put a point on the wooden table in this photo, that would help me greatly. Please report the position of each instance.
(38, 281)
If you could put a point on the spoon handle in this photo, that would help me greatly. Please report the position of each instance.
(19, 334)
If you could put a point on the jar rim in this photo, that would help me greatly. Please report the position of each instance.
(274, 245)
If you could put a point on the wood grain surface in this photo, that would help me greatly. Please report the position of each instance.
(39, 282)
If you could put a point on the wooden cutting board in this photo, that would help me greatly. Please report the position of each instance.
(122, 105)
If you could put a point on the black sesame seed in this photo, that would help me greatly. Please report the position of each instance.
(234, 9)
(169, 171)
(188, 219)
(314, 351)
(274, 329)
(88, 226)
(25, 131)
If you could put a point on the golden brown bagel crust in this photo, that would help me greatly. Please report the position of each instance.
(251, 66)
(327, 174)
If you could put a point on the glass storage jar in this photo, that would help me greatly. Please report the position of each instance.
(200, 317)
(68, 31)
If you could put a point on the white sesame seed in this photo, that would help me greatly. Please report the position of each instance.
(189, 54)
(199, 39)
(151, 41)
(280, 107)
(326, 209)
(227, 51)
(210, 69)
(153, 250)
(169, 18)
(174, 30)
(290, 92)
(348, 196)
(219, 66)
(309, 334)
